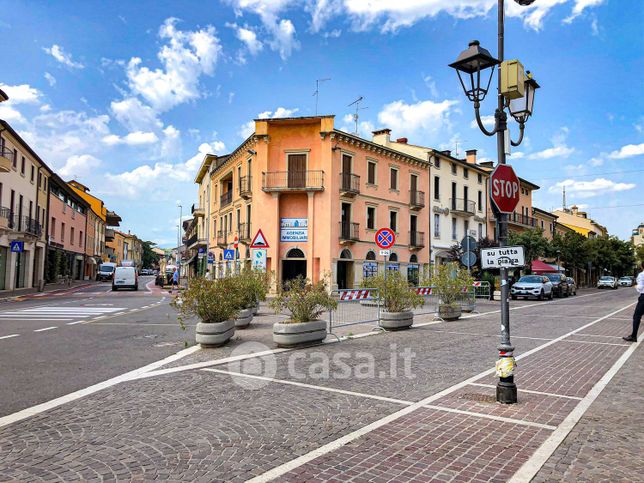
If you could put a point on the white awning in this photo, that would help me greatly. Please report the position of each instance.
(91, 261)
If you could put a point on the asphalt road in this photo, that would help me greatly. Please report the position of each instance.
(54, 345)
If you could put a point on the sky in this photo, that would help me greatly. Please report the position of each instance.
(127, 97)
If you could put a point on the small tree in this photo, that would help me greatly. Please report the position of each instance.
(450, 281)
(304, 300)
(394, 293)
(211, 301)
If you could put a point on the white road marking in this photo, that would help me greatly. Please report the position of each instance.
(599, 335)
(310, 386)
(492, 386)
(74, 323)
(338, 443)
(489, 416)
(46, 328)
(531, 467)
(595, 342)
(9, 336)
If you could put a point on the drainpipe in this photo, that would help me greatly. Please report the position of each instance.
(36, 242)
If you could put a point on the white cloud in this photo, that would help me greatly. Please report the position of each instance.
(185, 58)
(428, 121)
(431, 85)
(10, 114)
(135, 115)
(598, 161)
(628, 151)
(135, 138)
(58, 53)
(249, 38)
(78, 166)
(555, 152)
(21, 94)
(248, 128)
(518, 155)
(588, 189)
(488, 122)
(580, 6)
(365, 128)
(51, 80)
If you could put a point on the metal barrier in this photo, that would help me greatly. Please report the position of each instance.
(481, 289)
(356, 306)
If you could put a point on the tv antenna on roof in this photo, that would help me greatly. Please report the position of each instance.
(358, 109)
(317, 92)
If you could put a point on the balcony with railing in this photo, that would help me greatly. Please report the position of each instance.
(226, 199)
(245, 235)
(109, 235)
(416, 239)
(276, 181)
(191, 240)
(23, 224)
(349, 184)
(521, 219)
(245, 187)
(349, 232)
(416, 199)
(462, 207)
(198, 211)
(6, 159)
(222, 239)
(5, 217)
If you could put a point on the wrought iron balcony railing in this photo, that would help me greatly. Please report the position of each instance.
(349, 183)
(462, 206)
(416, 239)
(245, 186)
(293, 181)
(226, 199)
(349, 231)
(416, 199)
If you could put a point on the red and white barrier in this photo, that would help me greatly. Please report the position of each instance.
(424, 290)
(354, 294)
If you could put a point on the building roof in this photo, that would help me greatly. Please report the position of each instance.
(8, 127)
(3, 96)
(205, 165)
(380, 146)
(544, 213)
(58, 181)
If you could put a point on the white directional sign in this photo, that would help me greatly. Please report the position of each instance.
(506, 257)
(385, 253)
(259, 260)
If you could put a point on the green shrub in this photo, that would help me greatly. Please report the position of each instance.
(449, 281)
(394, 292)
(209, 300)
(305, 301)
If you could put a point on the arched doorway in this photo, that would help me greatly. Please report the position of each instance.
(413, 273)
(344, 271)
(293, 265)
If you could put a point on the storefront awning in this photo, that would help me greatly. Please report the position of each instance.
(91, 261)
(541, 267)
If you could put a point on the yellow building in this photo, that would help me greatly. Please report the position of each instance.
(579, 221)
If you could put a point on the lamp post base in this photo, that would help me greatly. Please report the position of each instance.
(506, 391)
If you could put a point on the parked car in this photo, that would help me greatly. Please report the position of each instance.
(125, 277)
(626, 281)
(105, 271)
(528, 286)
(607, 282)
(559, 284)
(572, 286)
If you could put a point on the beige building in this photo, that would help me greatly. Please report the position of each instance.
(579, 221)
(637, 238)
(457, 194)
(544, 221)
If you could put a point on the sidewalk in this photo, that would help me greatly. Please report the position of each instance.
(50, 289)
(223, 416)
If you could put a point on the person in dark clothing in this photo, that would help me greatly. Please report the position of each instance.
(639, 308)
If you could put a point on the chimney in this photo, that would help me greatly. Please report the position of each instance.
(381, 136)
(487, 164)
(471, 156)
(401, 140)
(574, 209)
(447, 152)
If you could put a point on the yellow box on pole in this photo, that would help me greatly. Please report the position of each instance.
(512, 79)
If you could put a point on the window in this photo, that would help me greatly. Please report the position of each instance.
(454, 234)
(62, 232)
(39, 180)
(393, 220)
(33, 173)
(542, 224)
(371, 255)
(371, 217)
(71, 236)
(437, 163)
(371, 172)
(15, 159)
(479, 178)
(80, 239)
(454, 168)
(480, 200)
(394, 179)
(437, 188)
(466, 227)
(44, 180)
(480, 231)
(22, 166)
(437, 225)
(52, 230)
(466, 173)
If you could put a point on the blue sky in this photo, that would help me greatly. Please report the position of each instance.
(128, 96)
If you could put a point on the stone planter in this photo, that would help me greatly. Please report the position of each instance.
(294, 334)
(244, 318)
(396, 320)
(449, 312)
(468, 307)
(255, 308)
(215, 334)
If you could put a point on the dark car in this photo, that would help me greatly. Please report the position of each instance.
(559, 284)
(572, 286)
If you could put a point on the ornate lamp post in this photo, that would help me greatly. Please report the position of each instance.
(473, 66)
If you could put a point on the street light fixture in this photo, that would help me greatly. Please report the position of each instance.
(473, 62)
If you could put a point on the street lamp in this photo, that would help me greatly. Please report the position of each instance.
(179, 233)
(473, 64)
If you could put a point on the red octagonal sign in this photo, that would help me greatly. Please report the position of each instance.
(504, 188)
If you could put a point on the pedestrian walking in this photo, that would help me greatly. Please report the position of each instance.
(175, 280)
(639, 308)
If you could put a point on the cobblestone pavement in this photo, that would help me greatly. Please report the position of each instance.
(432, 419)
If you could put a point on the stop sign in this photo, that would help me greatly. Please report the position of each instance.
(504, 188)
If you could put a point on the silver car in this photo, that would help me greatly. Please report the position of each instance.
(626, 281)
(536, 286)
(607, 282)
(572, 286)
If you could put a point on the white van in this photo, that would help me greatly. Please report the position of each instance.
(125, 277)
(105, 271)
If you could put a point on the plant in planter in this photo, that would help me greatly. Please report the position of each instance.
(397, 298)
(449, 281)
(215, 303)
(259, 283)
(305, 301)
(252, 287)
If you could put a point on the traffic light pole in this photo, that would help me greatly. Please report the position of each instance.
(506, 389)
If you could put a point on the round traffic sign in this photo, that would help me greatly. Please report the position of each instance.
(468, 259)
(236, 243)
(468, 243)
(504, 188)
(385, 238)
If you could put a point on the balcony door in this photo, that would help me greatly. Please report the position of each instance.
(296, 170)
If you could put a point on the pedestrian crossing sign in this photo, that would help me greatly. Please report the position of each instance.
(229, 254)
